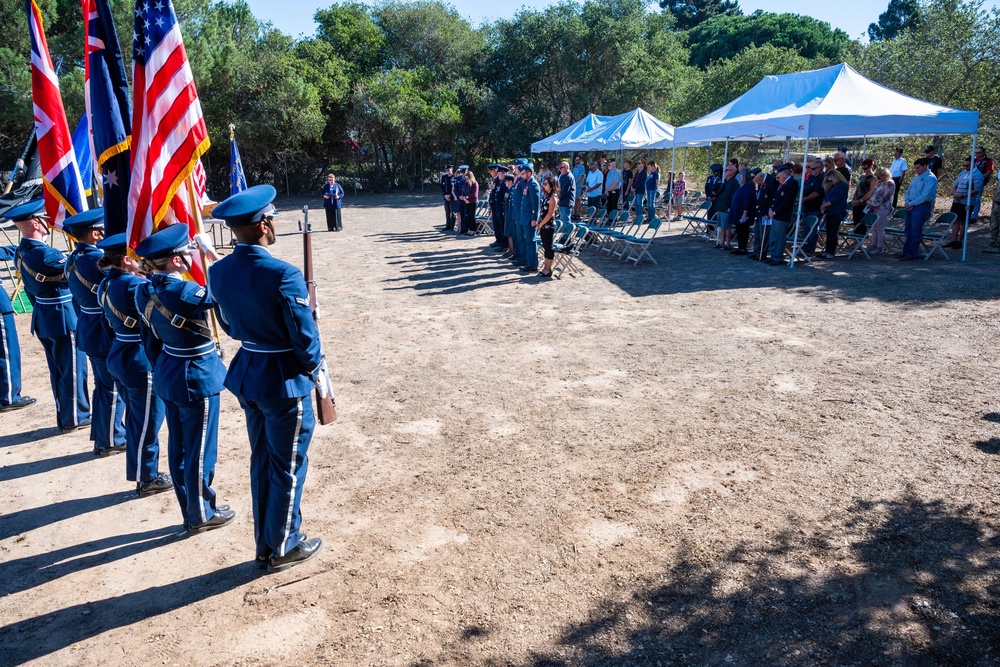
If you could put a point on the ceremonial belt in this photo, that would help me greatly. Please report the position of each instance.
(189, 352)
(193, 325)
(91, 311)
(40, 277)
(128, 338)
(261, 347)
(53, 300)
(71, 268)
(128, 321)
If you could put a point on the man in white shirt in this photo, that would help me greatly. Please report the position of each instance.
(595, 184)
(613, 186)
(898, 170)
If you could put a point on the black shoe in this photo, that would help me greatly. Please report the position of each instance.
(221, 518)
(70, 429)
(17, 405)
(158, 484)
(526, 269)
(305, 550)
(117, 449)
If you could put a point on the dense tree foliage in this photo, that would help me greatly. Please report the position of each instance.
(722, 37)
(900, 15)
(393, 90)
(689, 13)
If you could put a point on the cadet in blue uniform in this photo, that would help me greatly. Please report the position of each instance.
(509, 230)
(448, 194)
(53, 320)
(264, 303)
(10, 349)
(530, 201)
(128, 363)
(515, 205)
(187, 373)
(93, 332)
(460, 188)
(496, 199)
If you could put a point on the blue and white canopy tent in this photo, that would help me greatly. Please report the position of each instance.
(564, 139)
(834, 102)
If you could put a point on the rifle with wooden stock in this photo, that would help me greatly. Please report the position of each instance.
(326, 409)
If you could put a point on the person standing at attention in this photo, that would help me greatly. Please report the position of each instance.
(333, 200)
(652, 188)
(613, 186)
(53, 318)
(272, 374)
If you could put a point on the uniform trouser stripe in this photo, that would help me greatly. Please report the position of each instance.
(191, 452)
(8, 355)
(286, 532)
(201, 461)
(141, 445)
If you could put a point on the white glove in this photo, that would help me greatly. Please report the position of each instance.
(204, 242)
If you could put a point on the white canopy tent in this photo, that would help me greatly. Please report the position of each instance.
(560, 140)
(834, 102)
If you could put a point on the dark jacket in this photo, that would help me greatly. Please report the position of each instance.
(744, 201)
(785, 199)
(567, 190)
(837, 196)
(724, 199)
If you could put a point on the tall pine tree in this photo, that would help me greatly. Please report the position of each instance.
(689, 13)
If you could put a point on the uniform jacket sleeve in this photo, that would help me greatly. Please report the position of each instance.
(534, 196)
(302, 331)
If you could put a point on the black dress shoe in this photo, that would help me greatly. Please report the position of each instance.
(305, 550)
(221, 518)
(117, 449)
(70, 429)
(17, 405)
(158, 484)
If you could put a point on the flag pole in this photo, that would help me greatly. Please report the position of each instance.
(199, 228)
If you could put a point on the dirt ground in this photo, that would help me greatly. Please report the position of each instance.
(700, 462)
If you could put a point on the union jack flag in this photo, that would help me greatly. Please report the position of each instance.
(64, 191)
(168, 129)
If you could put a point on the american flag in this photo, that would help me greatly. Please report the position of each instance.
(168, 129)
(64, 191)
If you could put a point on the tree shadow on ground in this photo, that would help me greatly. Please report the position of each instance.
(26, 520)
(46, 634)
(918, 587)
(687, 264)
(27, 469)
(903, 582)
(28, 436)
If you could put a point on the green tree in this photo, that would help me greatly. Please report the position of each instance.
(723, 37)
(690, 13)
(428, 34)
(352, 32)
(899, 16)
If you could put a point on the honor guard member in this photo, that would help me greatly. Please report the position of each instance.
(128, 363)
(461, 189)
(10, 350)
(499, 207)
(530, 201)
(264, 303)
(53, 319)
(187, 373)
(93, 332)
(448, 194)
(509, 229)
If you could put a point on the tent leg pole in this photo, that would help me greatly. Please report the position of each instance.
(798, 215)
(968, 198)
(864, 149)
(725, 161)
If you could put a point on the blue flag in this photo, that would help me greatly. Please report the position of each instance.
(84, 158)
(109, 106)
(237, 179)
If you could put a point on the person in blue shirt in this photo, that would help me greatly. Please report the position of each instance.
(10, 349)
(187, 372)
(509, 224)
(919, 201)
(53, 318)
(93, 332)
(128, 363)
(652, 187)
(834, 208)
(263, 302)
(530, 201)
(447, 185)
(333, 201)
(515, 219)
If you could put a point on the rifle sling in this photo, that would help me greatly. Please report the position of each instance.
(71, 268)
(129, 322)
(40, 277)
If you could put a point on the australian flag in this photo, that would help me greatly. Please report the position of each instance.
(109, 106)
(237, 179)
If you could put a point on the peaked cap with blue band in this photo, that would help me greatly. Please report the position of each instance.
(28, 210)
(173, 240)
(114, 242)
(248, 207)
(82, 223)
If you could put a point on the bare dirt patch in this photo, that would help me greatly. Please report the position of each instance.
(703, 462)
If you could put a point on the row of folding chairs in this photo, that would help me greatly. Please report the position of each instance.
(620, 234)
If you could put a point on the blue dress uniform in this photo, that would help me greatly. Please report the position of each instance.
(10, 349)
(53, 321)
(187, 376)
(447, 190)
(530, 201)
(128, 363)
(263, 302)
(94, 334)
(460, 188)
(515, 205)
